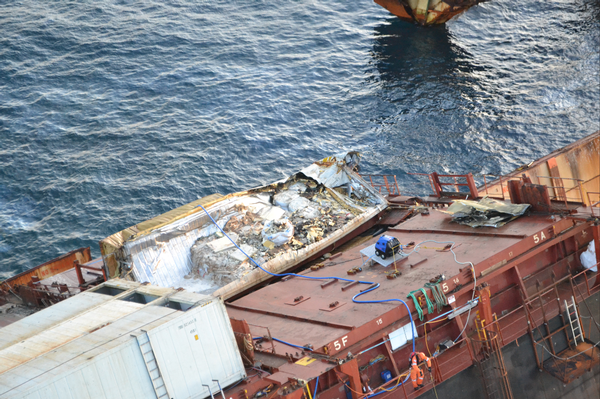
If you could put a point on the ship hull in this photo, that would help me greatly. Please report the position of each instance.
(426, 12)
(526, 380)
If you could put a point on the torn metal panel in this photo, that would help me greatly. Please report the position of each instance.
(330, 171)
(486, 212)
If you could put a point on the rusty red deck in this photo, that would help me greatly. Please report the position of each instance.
(486, 248)
(515, 261)
(521, 274)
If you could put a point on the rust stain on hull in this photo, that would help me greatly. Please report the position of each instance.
(427, 12)
(571, 173)
(573, 363)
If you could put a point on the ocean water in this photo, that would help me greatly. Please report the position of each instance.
(112, 112)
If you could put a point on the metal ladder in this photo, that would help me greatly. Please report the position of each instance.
(573, 317)
(152, 366)
(212, 395)
(490, 362)
(490, 379)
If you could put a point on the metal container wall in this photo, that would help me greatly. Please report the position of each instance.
(119, 374)
(202, 345)
(95, 357)
(566, 169)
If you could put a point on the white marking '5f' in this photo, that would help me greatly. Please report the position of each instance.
(339, 346)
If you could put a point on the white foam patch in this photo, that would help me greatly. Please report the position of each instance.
(196, 285)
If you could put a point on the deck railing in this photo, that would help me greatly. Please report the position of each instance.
(381, 182)
(593, 204)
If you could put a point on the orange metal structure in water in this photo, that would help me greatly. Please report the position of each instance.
(427, 12)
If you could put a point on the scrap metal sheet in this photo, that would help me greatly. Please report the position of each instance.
(486, 212)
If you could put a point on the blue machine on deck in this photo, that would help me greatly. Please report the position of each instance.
(387, 246)
(386, 375)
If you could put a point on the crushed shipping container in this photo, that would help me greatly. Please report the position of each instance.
(278, 225)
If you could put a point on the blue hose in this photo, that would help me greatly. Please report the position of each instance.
(321, 278)
(411, 323)
(395, 386)
(286, 343)
(316, 386)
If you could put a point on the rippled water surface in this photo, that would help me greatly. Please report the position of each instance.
(112, 112)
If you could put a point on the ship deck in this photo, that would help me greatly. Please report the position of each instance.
(315, 319)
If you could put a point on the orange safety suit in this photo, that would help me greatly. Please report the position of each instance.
(416, 374)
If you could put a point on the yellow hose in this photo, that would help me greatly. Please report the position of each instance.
(308, 390)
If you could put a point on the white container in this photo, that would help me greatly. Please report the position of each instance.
(145, 350)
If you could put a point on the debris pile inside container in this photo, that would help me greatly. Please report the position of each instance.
(281, 218)
(279, 225)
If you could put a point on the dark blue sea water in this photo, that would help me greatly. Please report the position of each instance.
(112, 112)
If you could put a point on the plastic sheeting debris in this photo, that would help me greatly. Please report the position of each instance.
(278, 232)
(298, 204)
(329, 171)
(588, 258)
(284, 198)
(486, 212)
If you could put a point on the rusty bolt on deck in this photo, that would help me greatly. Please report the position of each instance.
(354, 270)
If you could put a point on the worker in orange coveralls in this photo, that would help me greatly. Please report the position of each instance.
(416, 374)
